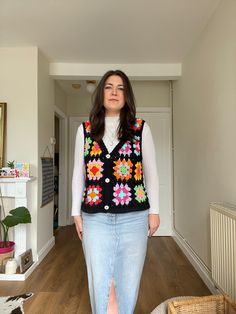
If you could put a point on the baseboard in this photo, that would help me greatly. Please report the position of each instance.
(46, 249)
(197, 263)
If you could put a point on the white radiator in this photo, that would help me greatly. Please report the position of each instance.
(223, 247)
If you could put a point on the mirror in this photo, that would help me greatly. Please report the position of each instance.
(3, 109)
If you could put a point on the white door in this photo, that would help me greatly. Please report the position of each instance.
(160, 124)
(159, 120)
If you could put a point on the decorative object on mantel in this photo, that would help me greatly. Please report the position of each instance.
(16, 216)
(47, 178)
(15, 170)
(7, 172)
(10, 164)
(14, 304)
(22, 169)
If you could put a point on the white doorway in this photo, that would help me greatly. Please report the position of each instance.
(159, 120)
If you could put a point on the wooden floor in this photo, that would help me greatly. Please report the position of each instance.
(59, 283)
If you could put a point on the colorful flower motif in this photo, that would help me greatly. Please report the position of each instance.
(123, 169)
(17, 172)
(140, 194)
(138, 124)
(95, 169)
(138, 171)
(93, 195)
(96, 150)
(136, 145)
(126, 149)
(121, 194)
(87, 145)
(87, 126)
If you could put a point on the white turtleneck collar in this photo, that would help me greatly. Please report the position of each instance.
(112, 118)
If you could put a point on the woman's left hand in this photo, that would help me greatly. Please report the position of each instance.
(154, 222)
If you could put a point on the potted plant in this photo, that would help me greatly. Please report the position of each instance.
(11, 164)
(16, 216)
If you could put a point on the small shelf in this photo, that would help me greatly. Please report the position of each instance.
(15, 180)
(19, 277)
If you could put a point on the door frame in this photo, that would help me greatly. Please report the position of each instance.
(63, 167)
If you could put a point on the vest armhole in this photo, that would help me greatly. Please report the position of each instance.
(141, 138)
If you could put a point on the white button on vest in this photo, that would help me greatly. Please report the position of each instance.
(107, 180)
(108, 155)
(106, 207)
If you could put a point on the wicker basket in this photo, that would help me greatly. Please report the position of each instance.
(214, 304)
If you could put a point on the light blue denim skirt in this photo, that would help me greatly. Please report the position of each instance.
(114, 246)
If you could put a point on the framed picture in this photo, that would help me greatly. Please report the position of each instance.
(26, 260)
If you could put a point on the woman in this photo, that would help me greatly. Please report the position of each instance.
(114, 209)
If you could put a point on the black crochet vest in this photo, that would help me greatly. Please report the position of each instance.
(114, 181)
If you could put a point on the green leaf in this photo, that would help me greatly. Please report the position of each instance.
(18, 215)
(11, 164)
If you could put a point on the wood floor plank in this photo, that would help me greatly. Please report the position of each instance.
(60, 285)
(44, 302)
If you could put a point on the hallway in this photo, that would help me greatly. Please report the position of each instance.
(59, 283)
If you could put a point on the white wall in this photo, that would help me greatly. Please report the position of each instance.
(45, 131)
(60, 97)
(205, 129)
(78, 105)
(18, 88)
(147, 94)
(29, 93)
(151, 93)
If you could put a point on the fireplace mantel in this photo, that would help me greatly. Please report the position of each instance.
(17, 189)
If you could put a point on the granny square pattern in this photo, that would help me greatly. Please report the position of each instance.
(114, 181)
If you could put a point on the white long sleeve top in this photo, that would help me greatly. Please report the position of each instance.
(149, 164)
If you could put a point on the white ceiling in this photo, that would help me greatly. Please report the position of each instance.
(106, 31)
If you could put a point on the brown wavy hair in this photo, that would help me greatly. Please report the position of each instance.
(127, 113)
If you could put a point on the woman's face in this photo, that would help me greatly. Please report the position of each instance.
(114, 99)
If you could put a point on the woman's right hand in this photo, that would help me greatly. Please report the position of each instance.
(79, 226)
